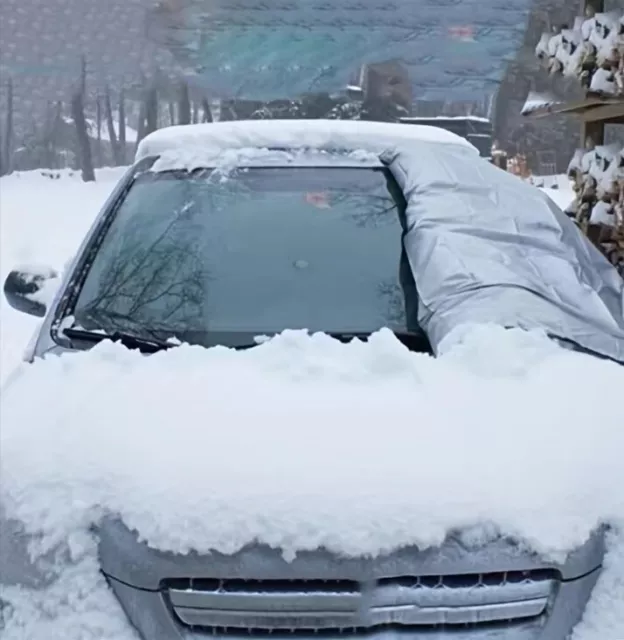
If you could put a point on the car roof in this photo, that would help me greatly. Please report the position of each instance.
(331, 135)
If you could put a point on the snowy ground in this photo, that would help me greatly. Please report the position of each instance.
(42, 221)
(558, 188)
(336, 392)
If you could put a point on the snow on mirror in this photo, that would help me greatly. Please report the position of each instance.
(31, 288)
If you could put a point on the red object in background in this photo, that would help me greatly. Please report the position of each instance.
(462, 32)
(319, 199)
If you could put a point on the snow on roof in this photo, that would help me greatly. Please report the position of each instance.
(537, 101)
(196, 157)
(294, 134)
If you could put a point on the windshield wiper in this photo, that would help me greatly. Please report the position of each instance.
(130, 340)
(417, 342)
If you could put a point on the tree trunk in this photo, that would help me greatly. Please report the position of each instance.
(7, 149)
(77, 110)
(184, 105)
(207, 115)
(172, 119)
(122, 127)
(48, 151)
(141, 124)
(151, 110)
(56, 132)
(98, 124)
(195, 118)
(110, 124)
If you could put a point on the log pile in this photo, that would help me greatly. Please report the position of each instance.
(591, 50)
(598, 208)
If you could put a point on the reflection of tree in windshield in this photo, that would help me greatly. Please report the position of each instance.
(392, 293)
(367, 209)
(163, 272)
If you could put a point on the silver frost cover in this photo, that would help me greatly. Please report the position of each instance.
(484, 247)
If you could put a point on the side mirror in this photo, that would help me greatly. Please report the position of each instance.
(31, 289)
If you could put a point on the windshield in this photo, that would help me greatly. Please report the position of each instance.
(209, 259)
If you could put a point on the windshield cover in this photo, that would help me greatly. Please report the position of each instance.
(217, 260)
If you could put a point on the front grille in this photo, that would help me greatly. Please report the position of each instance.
(258, 606)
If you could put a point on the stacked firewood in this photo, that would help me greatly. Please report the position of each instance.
(591, 50)
(598, 208)
(519, 166)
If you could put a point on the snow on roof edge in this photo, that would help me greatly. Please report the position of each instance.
(295, 134)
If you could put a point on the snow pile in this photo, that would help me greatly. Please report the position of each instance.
(360, 448)
(593, 51)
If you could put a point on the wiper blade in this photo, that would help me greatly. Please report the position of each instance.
(417, 342)
(130, 340)
(347, 336)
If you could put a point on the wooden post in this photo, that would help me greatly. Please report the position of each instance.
(596, 5)
(593, 130)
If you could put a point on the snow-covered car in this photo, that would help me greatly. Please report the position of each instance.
(223, 234)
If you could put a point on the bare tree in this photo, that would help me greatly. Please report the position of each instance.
(141, 123)
(207, 115)
(49, 150)
(80, 122)
(98, 126)
(184, 104)
(110, 124)
(172, 116)
(122, 127)
(56, 132)
(151, 109)
(6, 151)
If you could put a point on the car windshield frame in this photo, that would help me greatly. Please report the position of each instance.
(236, 339)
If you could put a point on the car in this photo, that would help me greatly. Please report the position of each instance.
(223, 232)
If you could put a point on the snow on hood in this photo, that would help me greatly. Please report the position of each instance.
(357, 448)
(304, 442)
(349, 135)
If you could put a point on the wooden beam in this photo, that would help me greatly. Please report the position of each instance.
(607, 107)
(612, 113)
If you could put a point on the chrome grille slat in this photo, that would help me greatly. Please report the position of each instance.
(267, 602)
(407, 602)
(462, 596)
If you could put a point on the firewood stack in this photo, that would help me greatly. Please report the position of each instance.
(591, 50)
(598, 176)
